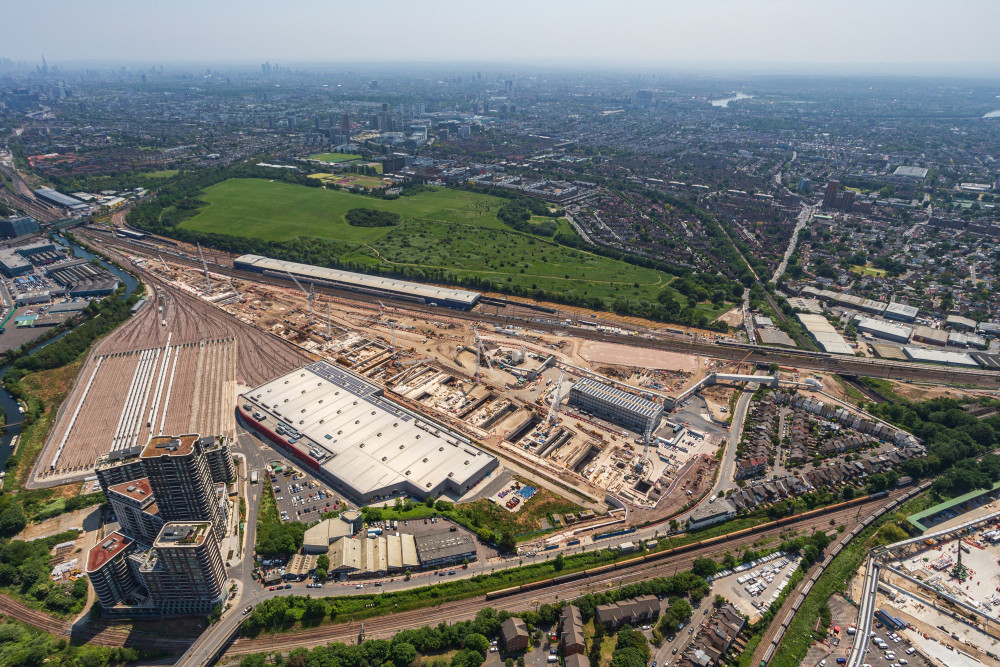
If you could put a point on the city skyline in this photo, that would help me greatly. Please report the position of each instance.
(893, 36)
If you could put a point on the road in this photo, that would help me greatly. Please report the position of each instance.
(724, 482)
(804, 217)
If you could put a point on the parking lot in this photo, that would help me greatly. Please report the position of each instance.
(754, 589)
(836, 646)
(300, 496)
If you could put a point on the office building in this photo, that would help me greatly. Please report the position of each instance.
(184, 572)
(830, 196)
(108, 569)
(180, 477)
(135, 508)
(11, 227)
(345, 127)
(620, 407)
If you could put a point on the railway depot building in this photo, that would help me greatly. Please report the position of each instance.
(360, 282)
(620, 407)
(365, 446)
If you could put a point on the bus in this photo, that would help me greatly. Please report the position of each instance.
(253, 477)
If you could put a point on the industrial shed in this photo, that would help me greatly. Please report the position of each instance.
(366, 446)
(377, 285)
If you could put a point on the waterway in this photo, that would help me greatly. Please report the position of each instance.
(7, 402)
(993, 114)
(736, 96)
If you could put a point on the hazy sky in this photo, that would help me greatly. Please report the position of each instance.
(539, 32)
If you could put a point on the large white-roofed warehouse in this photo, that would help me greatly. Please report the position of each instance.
(366, 446)
(360, 282)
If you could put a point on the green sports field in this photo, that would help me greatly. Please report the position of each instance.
(335, 157)
(441, 228)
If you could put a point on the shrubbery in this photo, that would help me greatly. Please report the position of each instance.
(370, 217)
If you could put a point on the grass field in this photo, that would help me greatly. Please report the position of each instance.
(441, 228)
(162, 173)
(334, 157)
(347, 180)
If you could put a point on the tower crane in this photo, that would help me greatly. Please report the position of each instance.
(204, 265)
(309, 296)
(480, 354)
(556, 400)
(163, 263)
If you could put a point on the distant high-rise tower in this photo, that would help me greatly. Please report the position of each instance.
(345, 126)
(830, 196)
(180, 477)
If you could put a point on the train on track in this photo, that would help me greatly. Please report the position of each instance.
(687, 548)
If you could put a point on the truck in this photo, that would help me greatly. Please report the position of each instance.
(253, 477)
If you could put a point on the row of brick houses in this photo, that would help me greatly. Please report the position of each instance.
(628, 612)
(571, 638)
(848, 472)
(714, 639)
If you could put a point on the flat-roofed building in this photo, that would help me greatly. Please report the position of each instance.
(181, 480)
(886, 330)
(20, 226)
(108, 570)
(445, 548)
(12, 264)
(901, 312)
(929, 335)
(366, 446)
(379, 285)
(135, 508)
(51, 196)
(616, 405)
(184, 572)
(711, 514)
(959, 322)
(318, 538)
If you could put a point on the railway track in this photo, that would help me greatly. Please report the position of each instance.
(384, 626)
(673, 343)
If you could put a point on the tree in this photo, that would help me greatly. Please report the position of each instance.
(321, 574)
(477, 642)
(628, 657)
(469, 658)
(323, 561)
(704, 567)
(12, 521)
(402, 654)
(559, 563)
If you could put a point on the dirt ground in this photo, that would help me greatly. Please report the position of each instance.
(733, 318)
(623, 355)
(919, 392)
(87, 518)
(673, 503)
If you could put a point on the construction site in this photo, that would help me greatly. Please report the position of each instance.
(508, 389)
(496, 385)
(939, 591)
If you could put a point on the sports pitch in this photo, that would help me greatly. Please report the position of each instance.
(441, 228)
(335, 157)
